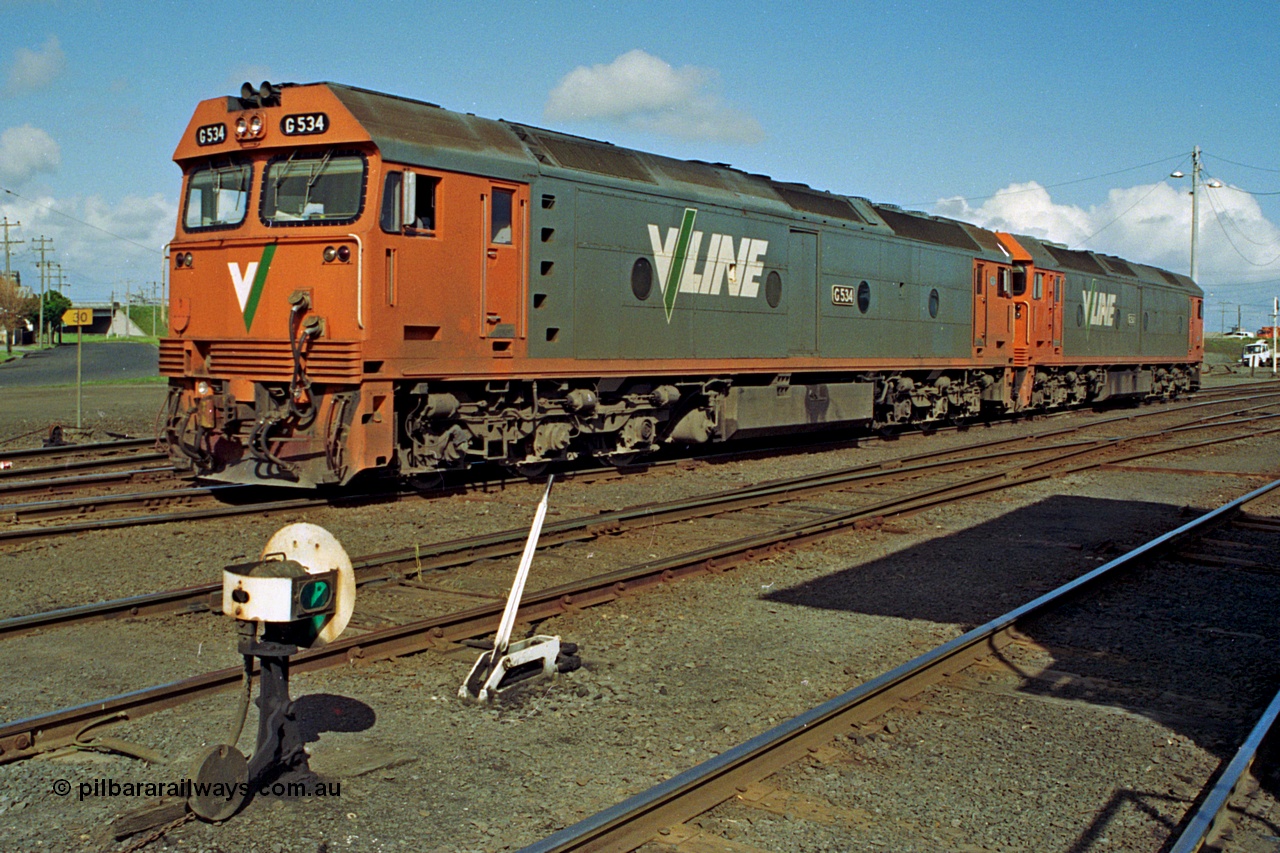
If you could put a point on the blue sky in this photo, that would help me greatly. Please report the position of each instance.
(1024, 116)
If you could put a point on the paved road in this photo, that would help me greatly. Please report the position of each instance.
(102, 361)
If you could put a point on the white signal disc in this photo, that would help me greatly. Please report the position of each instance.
(317, 550)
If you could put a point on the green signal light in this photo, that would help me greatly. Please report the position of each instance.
(316, 595)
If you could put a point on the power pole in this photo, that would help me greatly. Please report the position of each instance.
(45, 246)
(1195, 208)
(6, 225)
(155, 307)
(60, 286)
(1196, 182)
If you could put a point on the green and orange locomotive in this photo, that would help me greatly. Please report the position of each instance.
(361, 281)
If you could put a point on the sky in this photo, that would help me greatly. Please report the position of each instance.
(1062, 120)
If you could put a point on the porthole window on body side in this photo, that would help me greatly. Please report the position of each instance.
(864, 297)
(933, 303)
(642, 278)
(773, 289)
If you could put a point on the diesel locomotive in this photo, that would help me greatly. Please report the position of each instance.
(361, 281)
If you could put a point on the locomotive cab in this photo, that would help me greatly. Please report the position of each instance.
(268, 269)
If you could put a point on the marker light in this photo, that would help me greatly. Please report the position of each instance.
(186, 260)
(344, 254)
(329, 254)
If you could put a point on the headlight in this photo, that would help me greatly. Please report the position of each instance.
(203, 389)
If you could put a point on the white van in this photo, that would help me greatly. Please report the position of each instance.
(1257, 354)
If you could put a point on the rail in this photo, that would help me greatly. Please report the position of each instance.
(634, 821)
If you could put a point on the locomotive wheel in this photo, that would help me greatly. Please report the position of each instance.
(529, 470)
(427, 482)
(627, 460)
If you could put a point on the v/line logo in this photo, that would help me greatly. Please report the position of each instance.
(676, 258)
(248, 285)
(1099, 308)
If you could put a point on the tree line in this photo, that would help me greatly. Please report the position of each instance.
(20, 309)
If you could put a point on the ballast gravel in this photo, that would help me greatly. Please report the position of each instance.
(669, 678)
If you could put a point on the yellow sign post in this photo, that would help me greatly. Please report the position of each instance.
(78, 317)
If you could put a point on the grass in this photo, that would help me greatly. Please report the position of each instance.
(1226, 346)
(70, 338)
(142, 380)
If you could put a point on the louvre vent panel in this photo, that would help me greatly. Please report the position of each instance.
(171, 360)
(268, 360)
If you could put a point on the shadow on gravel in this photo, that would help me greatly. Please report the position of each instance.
(318, 713)
(1189, 646)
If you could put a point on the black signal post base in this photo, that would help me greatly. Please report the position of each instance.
(279, 747)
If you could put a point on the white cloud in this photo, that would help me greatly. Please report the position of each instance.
(640, 90)
(24, 151)
(32, 70)
(99, 245)
(1150, 224)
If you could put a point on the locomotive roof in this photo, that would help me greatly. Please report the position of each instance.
(425, 134)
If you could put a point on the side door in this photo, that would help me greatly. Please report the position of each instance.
(980, 292)
(1195, 330)
(802, 305)
(1035, 311)
(996, 319)
(503, 225)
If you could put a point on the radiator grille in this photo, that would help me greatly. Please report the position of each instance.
(327, 361)
(171, 359)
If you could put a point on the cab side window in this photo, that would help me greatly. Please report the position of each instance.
(409, 203)
(391, 204)
(500, 231)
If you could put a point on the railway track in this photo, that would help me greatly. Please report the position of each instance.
(663, 815)
(29, 736)
(396, 565)
(28, 486)
(63, 450)
(73, 467)
(230, 500)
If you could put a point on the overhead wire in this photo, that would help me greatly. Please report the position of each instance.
(1123, 213)
(1242, 165)
(1038, 187)
(53, 209)
(1222, 185)
(1217, 216)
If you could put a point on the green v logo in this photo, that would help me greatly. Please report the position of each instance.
(248, 285)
